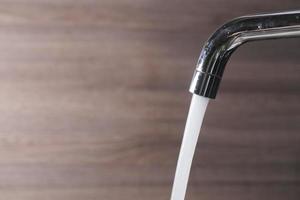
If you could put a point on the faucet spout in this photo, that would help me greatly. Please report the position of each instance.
(219, 47)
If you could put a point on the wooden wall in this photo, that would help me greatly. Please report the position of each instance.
(93, 101)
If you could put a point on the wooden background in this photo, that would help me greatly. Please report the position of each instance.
(94, 99)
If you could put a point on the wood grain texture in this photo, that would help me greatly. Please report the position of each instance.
(94, 99)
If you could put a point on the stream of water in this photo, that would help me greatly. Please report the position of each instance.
(188, 146)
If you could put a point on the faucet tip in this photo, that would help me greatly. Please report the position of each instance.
(205, 84)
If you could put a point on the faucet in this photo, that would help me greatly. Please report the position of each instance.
(219, 47)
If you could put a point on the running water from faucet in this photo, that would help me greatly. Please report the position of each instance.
(209, 71)
(188, 146)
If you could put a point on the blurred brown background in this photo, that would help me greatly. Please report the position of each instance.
(94, 99)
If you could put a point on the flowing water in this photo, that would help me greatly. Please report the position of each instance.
(188, 146)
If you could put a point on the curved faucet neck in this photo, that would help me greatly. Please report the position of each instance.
(218, 49)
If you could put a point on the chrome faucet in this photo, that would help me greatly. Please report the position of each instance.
(230, 36)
